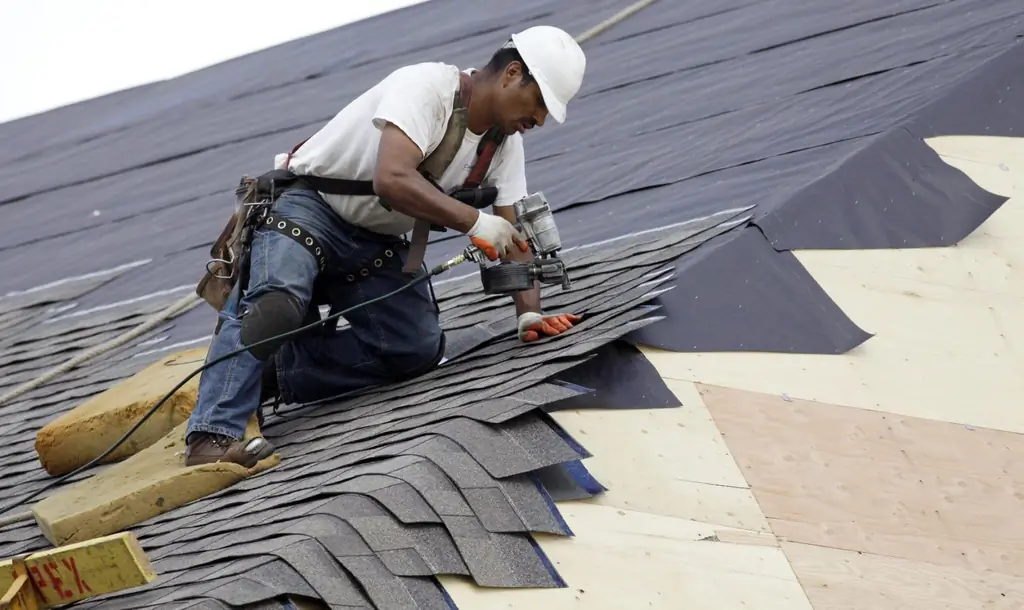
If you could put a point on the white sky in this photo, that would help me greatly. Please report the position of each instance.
(57, 52)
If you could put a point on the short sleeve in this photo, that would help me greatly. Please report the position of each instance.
(509, 174)
(416, 99)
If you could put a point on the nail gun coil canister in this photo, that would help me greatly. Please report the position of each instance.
(506, 277)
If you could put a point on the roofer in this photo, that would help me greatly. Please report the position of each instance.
(342, 203)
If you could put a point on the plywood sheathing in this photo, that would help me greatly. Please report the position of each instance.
(948, 322)
(845, 580)
(151, 482)
(668, 563)
(81, 434)
(678, 523)
(929, 498)
(669, 462)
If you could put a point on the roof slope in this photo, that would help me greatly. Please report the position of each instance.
(749, 127)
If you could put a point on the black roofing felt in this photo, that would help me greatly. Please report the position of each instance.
(708, 139)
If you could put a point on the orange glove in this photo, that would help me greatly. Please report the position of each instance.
(533, 325)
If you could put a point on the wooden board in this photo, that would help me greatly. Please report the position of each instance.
(624, 559)
(866, 481)
(149, 483)
(79, 435)
(670, 462)
(679, 527)
(845, 580)
(87, 569)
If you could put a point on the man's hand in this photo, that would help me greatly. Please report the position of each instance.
(534, 325)
(496, 236)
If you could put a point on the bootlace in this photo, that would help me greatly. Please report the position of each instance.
(221, 441)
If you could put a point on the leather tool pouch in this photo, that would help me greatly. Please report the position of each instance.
(225, 266)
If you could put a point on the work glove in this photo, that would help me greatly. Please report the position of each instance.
(533, 325)
(494, 236)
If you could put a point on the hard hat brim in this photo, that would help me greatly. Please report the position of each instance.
(555, 106)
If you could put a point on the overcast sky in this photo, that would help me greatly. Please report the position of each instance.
(56, 52)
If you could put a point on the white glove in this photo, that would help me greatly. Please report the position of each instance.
(495, 236)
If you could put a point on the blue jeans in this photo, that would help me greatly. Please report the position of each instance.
(393, 339)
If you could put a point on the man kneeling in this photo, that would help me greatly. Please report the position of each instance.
(382, 138)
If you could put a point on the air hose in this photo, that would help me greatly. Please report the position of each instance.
(190, 301)
(445, 266)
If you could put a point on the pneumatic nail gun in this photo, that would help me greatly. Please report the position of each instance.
(535, 220)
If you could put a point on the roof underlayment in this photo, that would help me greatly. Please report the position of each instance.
(711, 145)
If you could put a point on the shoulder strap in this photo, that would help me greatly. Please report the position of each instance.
(437, 162)
(489, 144)
(446, 151)
(432, 168)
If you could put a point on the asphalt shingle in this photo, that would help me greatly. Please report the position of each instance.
(708, 138)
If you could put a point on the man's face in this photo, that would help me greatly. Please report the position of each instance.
(519, 107)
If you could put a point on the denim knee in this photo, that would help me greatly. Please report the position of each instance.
(417, 358)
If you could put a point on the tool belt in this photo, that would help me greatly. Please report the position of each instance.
(254, 196)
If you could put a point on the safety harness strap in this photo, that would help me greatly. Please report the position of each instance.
(469, 194)
(305, 239)
(432, 168)
(485, 150)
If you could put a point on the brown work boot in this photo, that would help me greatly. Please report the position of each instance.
(211, 448)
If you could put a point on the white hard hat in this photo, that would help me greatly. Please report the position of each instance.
(556, 62)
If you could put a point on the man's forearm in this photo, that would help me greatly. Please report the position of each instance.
(525, 300)
(411, 194)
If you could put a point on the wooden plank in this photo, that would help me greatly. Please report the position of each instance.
(845, 580)
(149, 483)
(81, 434)
(670, 462)
(20, 595)
(625, 559)
(866, 481)
(86, 569)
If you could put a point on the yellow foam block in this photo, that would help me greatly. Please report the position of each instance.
(151, 482)
(78, 436)
(87, 569)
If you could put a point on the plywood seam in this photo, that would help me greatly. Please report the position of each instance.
(917, 559)
(663, 515)
(741, 488)
(945, 566)
(795, 577)
(877, 411)
(804, 587)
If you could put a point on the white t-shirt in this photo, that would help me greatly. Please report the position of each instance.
(418, 99)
